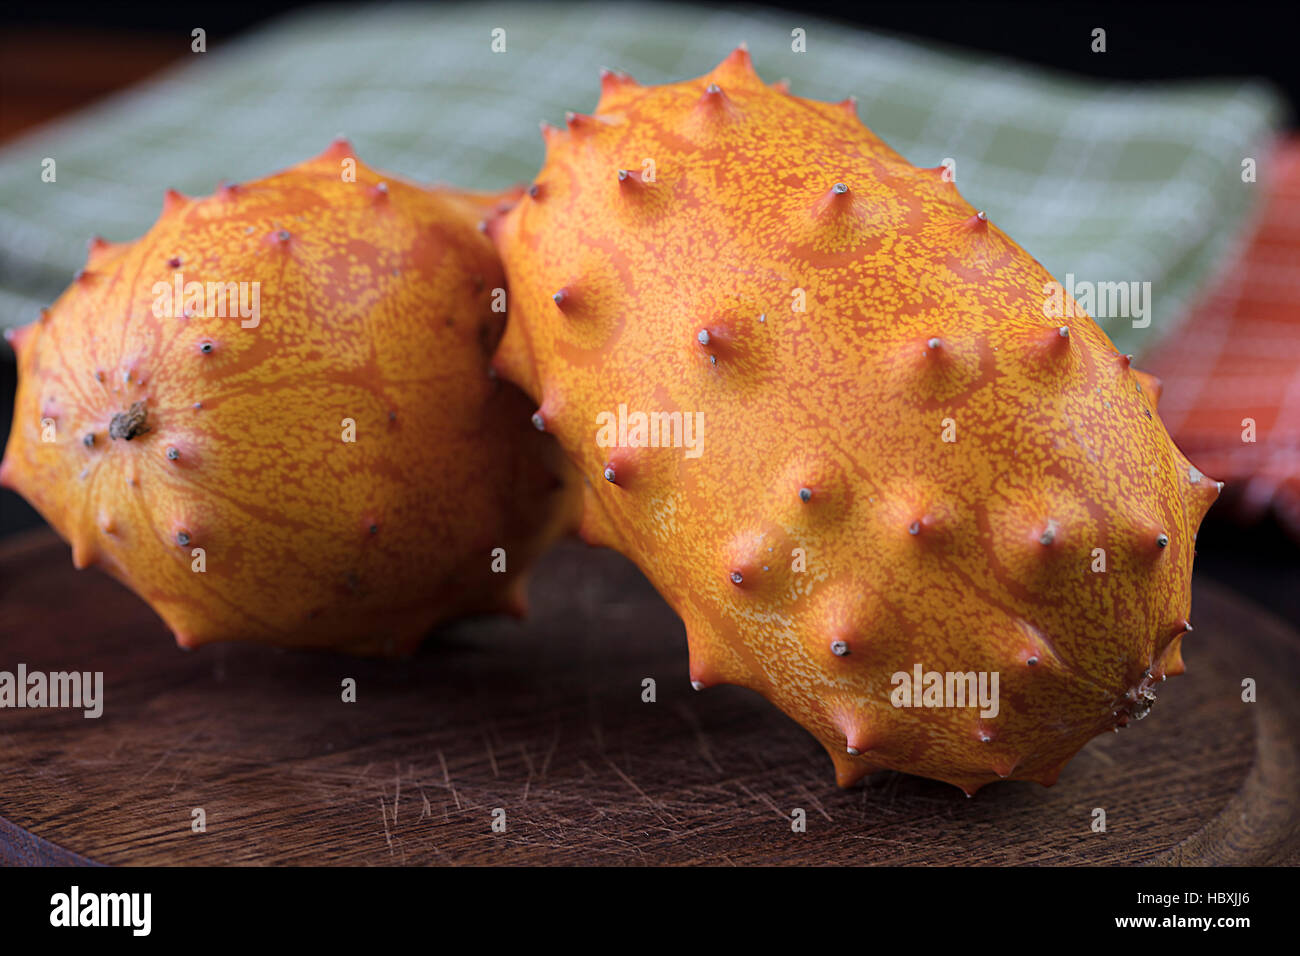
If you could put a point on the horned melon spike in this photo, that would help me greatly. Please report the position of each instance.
(737, 70)
(174, 202)
(1150, 386)
(339, 148)
(614, 79)
(578, 122)
(100, 252)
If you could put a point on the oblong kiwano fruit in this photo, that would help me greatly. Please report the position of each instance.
(273, 415)
(898, 464)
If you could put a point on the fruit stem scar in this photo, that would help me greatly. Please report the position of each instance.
(130, 423)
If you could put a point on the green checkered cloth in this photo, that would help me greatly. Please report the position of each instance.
(1106, 182)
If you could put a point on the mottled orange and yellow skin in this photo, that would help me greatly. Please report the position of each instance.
(375, 306)
(828, 537)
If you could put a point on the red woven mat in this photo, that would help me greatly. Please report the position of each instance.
(1236, 360)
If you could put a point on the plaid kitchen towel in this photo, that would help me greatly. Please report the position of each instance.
(1232, 371)
(1112, 183)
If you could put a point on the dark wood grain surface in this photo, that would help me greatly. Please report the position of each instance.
(545, 720)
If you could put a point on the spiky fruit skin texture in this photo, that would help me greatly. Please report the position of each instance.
(824, 428)
(375, 307)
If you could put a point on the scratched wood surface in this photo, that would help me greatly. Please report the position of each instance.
(545, 720)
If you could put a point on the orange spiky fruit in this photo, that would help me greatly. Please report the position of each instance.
(273, 415)
(905, 469)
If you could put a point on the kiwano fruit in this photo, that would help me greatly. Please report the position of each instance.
(824, 405)
(273, 416)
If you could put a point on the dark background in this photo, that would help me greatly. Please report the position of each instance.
(57, 57)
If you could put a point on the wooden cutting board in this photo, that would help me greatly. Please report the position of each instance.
(545, 720)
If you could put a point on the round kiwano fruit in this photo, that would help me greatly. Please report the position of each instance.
(273, 416)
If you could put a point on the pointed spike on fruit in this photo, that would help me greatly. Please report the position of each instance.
(83, 554)
(737, 61)
(849, 105)
(340, 147)
(1151, 386)
(834, 207)
(1173, 658)
(714, 108)
(736, 70)
(514, 603)
(858, 738)
(1004, 766)
(713, 97)
(978, 222)
(849, 769)
(173, 201)
(99, 249)
(1049, 777)
(1201, 493)
(1038, 651)
(782, 85)
(611, 80)
(549, 133)
(630, 180)
(578, 122)
(849, 776)
(494, 225)
(703, 672)
(1050, 344)
(18, 336)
